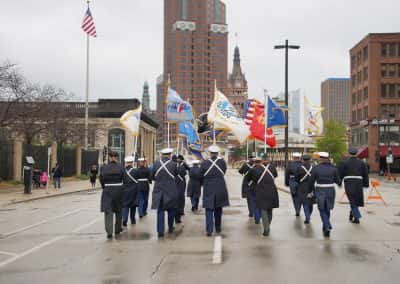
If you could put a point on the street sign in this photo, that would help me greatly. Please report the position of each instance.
(389, 159)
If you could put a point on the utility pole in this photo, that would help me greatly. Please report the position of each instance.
(287, 47)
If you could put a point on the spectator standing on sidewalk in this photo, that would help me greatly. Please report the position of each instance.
(93, 175)
(57, 174)
(44, 179)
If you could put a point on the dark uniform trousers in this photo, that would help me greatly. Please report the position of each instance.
(295, 197)
(143, 202)
(109, 222)
(125, 214)
(195, 202)
(254, 209)
(161, 218)
(211, 215)
(266, 216)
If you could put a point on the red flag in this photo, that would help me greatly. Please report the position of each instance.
(257, 127)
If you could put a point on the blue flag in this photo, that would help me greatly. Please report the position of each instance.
(274, 114)
(178, 109)
(187, 129)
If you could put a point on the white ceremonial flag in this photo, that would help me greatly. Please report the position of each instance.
(131, 120)
(224, 116)
(313, 122)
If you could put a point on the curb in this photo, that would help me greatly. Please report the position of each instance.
(48, 196)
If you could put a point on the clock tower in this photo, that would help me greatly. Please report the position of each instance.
(237, 84)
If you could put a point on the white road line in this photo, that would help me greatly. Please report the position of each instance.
(47, 243)
(217, 256)
(8, 253)
(4, 236)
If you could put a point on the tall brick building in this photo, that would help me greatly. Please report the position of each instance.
(195, 54)
(237, 91)
(375, 97)
(335, 94)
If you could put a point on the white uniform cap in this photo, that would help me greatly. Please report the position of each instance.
(141, 159)
(167, 151)
(213, 149)
(323, 155)
(195, 162)
(128, 159)
(297, 155)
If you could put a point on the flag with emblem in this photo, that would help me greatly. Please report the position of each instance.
(130, 120)
(178, 109)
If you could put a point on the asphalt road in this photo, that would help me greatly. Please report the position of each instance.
(62, 240)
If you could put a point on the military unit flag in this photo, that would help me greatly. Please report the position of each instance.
(130, 120)
(178, 109)
(313, 122)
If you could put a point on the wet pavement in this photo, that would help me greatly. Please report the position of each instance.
(62, 240)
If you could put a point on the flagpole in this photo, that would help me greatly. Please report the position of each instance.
(87, 90)
(247, 149)
(215, 90)
(168, 134)
(265, 128)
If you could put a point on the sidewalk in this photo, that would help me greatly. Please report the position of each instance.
(16, 195)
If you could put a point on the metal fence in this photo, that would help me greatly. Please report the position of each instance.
(39, 154)
(89, 158)
(66, 157)
(6, 160)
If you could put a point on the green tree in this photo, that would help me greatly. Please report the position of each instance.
(333, 140)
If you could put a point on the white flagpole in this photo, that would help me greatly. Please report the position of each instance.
(177, 145)
(87, 91)
(168, 134)
(215, 90)
(265, 128)
(247, 149)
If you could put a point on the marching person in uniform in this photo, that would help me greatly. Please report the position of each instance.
(354, 174)
(290, 181)
(144, 179)
(263, 177)
(325, 176)
(305, 192)
(165, 193)
(181, 186)
(194, 185)
(244, 171)
(215, 192)
(130, 194)
(112, 180)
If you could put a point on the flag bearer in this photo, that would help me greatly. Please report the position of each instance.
(194, 185)
(244, 170)
(290, 181)
(144, 179)
(354, 174)
(181, 186)
(130, 194)
(325, 176)
(263, 176)
(305, 192)
(112, 180)
(165, 193)
(215, 192)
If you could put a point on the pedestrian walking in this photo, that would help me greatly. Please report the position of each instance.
(112, 178)
(181, 186)
(290, 181)
(56, 174)
(354, 173)
(194, 185)
(144, 179)
(324, 177)
(244, 171)
(267, 198)
(215, 192)
(305, 191)
(130, 192)
(165, 192)
(93, 175)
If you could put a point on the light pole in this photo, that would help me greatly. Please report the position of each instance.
(287, 47)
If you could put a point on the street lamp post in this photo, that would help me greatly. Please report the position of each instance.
(287, 47)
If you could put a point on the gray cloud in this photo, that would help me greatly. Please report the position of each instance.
(44, 38)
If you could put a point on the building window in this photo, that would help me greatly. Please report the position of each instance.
(365, 53)
(365, 93)
(365, 71)
(366, 113)
(383, 50)
(392, 90)
(353, 98)
(383, 70)
(359, 97)
(359, 77)
(383, 91)
(353, 81)
(392, 49)
(353, 61)
(354, 116)
(398, 91)
(392, 70)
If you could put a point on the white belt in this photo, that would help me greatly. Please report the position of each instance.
(292, 176)
(114, 184)
(325, 185)
(143, 179)
(352, 177)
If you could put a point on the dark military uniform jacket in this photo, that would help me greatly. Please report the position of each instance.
(215, 192)
(194, 185)
(112, 181)
(290, 174)
(244, 170)
(354, 174)
(304, 189)
(144, 178)
(130, 194)
(263, 177)
(165, 192)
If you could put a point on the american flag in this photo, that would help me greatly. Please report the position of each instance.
(249, 109)
(88, 24)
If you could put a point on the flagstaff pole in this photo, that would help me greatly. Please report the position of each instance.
(168, 134)
(215, 90)
(87, 91)
(247, 149)
(265, 128)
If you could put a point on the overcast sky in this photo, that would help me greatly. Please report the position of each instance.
(44, 38)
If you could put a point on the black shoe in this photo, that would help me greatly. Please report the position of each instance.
(356, 221)
(125, 224)
(171, 230)
(306, 222)
(161, 235)
(266, 233)
(257, 222)
(133, 223)
(141, 216)
(178, 221)
(326, 234)
(118, 232)
(209, 234)
(109, 236)
(297, 214)
(351, 217)
(218, 231)
(251, 215)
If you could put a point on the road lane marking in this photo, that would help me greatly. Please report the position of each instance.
(47, 243)
(4, 236)
(217, 256)
(8, 253)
